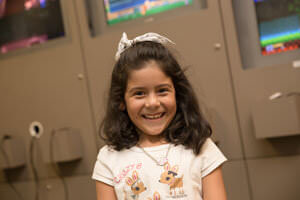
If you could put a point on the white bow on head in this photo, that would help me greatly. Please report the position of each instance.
(125, 43)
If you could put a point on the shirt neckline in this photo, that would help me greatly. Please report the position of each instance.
(151, 149)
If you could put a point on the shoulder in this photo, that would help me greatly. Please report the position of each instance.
(210, 152)
(107, 150)
(107, 153)
(209, 146)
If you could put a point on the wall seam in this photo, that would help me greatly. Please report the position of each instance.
(235, 99)
(87, 83)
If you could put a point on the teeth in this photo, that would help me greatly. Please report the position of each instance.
(153, 116)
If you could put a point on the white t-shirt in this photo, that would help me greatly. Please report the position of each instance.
(134, 175)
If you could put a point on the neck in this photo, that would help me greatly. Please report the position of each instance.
(151, 143)
(145, 145)
(151, 140)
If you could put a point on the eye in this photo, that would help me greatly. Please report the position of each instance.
(137, 188)
(139, 94)
(163, 91)
(167, 178)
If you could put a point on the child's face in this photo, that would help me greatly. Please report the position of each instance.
(150, 100)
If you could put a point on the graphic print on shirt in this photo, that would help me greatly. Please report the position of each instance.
(156, 196)
(136, 185)
(169, 177)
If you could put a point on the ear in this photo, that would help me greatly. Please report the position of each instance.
(134, 176)
(129, 181)
(122, 106)
(167, 166)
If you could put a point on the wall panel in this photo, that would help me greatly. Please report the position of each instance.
(275, 178)
(47, 83)
(236, 180)
(255, 85)
(273, 163)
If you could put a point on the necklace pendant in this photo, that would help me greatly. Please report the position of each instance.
(162, 161)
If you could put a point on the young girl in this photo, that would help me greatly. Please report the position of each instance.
(158, 144)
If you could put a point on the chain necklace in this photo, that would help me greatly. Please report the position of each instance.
(162, 161)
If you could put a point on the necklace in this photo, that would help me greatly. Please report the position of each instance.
(162, 161)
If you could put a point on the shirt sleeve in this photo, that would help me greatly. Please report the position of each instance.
(102, 171)
(212, 157)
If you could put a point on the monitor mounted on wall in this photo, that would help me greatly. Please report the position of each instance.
(25, 23)
(268, 32)
(123, 10)
(279, 25)
(104, 16)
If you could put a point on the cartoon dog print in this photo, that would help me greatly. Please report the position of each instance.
(136, 185)
(156, 196)
(169, 177)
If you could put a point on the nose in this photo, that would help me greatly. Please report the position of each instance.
(152, 101)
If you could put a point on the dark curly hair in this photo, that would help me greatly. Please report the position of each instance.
(188, 127)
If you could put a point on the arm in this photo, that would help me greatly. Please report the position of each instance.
(105, 192)
(213, 186)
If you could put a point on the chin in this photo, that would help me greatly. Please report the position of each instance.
(152, 132)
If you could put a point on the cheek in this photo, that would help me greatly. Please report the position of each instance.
(133, 108)
(170, 103)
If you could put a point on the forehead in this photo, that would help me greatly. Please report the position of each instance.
(150, 75)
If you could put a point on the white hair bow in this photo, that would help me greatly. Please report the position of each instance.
(125, 43)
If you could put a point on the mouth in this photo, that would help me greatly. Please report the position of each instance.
(153, 116)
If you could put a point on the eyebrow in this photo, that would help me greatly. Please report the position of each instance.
(159, 86)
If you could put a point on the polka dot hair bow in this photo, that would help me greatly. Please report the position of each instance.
(125, 43)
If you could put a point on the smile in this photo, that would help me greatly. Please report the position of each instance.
(156, 116)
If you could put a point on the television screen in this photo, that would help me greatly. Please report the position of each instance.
(122, 10)
(278, 25)
(24, 23)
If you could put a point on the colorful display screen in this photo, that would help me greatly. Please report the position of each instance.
(122, 10)
(279, 25)
(24, 23)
